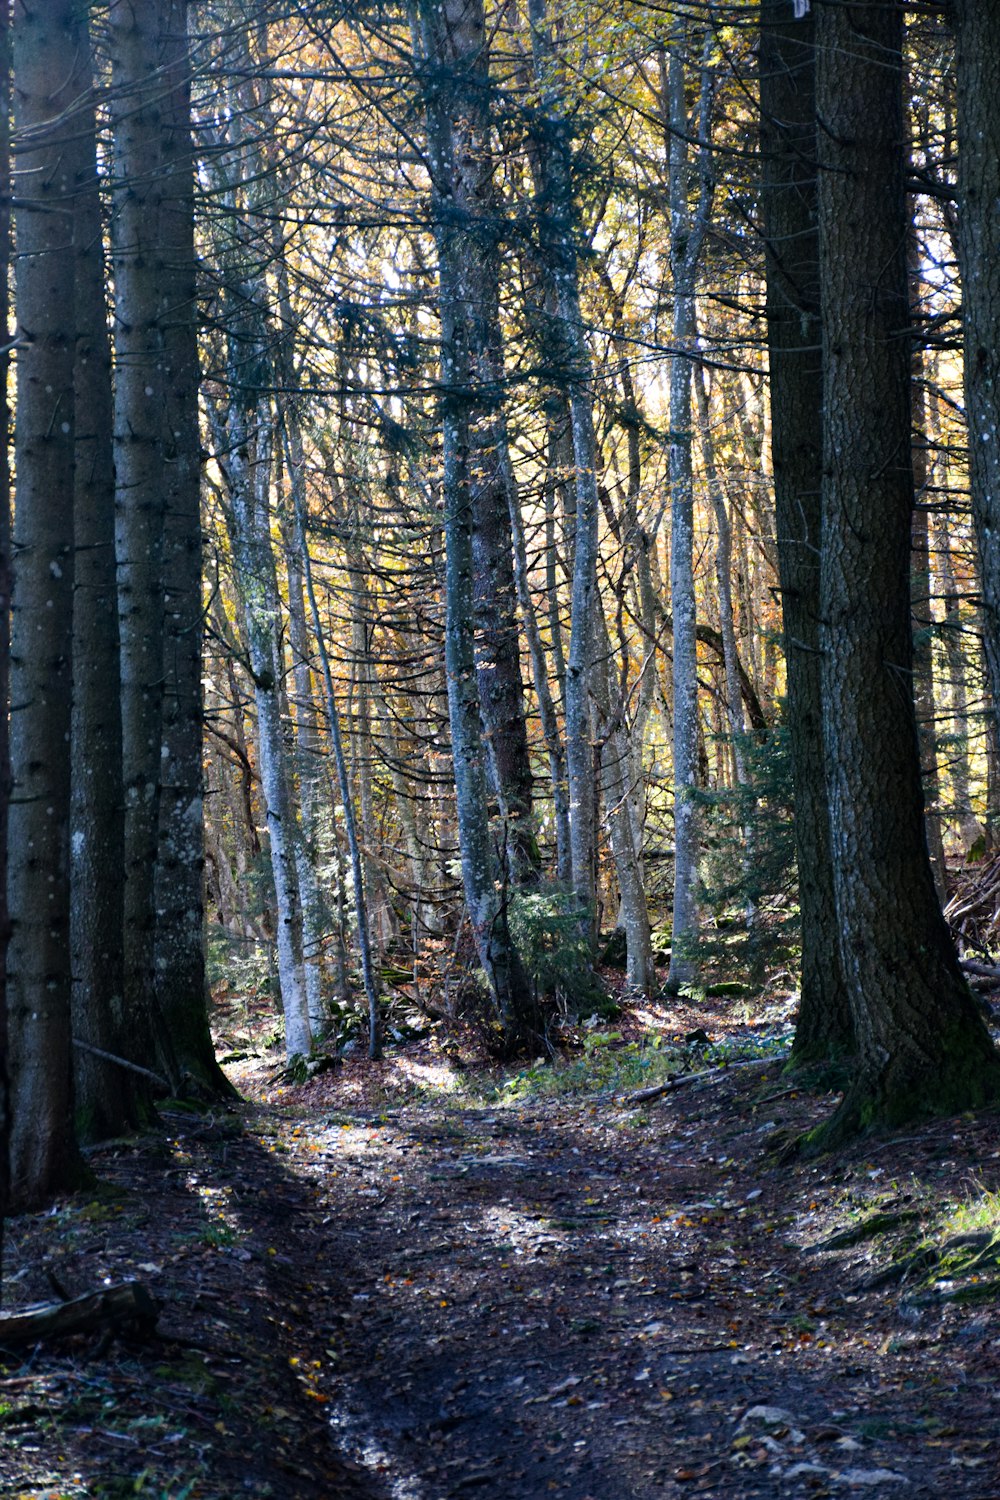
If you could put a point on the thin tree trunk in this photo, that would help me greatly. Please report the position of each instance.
(957, 666)
(723, 578)
(346, 798)
(308, 755)
(977, 80)
(6, 248)
(617, 769)
(248, 469)
(687, 234)
(540, 678)
(566, 347)
(920, 594)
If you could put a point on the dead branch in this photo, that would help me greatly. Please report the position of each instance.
(122, 1062)
(127, 1308)
(679, 1080)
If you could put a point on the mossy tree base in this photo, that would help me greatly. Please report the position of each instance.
(897, 1098)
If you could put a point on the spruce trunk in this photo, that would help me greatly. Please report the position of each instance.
(43, 1154)
(922, 1044)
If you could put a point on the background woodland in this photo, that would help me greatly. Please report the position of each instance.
(487, 480)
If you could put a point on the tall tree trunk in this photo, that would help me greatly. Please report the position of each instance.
(923, 665)
(450, 50)
(566, 348)
(135, 28)
(43, 1153)
(248, 472)
(922, 1045)
(6, 248)
(308, 755)
(920, 591)
(456, 54)
(687, 235)
(788, 152)
(179, 944)
(977, 79)
(106, 1101)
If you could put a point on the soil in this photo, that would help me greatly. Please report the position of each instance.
(372, 1287)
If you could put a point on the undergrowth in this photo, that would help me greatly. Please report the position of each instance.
(607, 1065)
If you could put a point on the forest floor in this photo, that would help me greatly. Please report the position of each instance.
(404, 1282)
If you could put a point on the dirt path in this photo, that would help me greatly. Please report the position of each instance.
(566, 1297)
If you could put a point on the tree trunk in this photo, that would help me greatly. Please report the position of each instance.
(106, 1102)
(449, 51)
(617, 770)
(736, 725)
(922, 1045)
(43, 1153)
(923, 665)
(977, 79)
(687, 234)
(308, 754)
(788, 151)
(248, 471)
(346, 798)
(957, 665)
(6, 248)
(179, 946)
(922, 616)
(543, 692)
(456, 54)
(135, 28)
(565, 348)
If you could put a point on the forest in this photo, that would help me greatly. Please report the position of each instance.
(500, 677)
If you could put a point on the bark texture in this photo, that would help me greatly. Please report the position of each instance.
(179, 951)
(791, 240)
(922, 1045)
(5, 582)
(43, 1157)
(458, 83)
(248, 473)
(450, 37)
(135, 28)
(977, 77)
(565, 349)
(105, 1099)
(687, 236)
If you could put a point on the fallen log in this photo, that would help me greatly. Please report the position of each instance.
(680, 1080)
(128, 1308)
(980, 970)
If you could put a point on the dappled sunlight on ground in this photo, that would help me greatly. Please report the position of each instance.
(410, 1279)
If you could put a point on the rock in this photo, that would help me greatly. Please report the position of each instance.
(766, 1416)
(806, 1471)
(860, 1477)
(496, 1162)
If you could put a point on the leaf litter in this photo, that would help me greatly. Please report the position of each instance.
(371, 1292)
